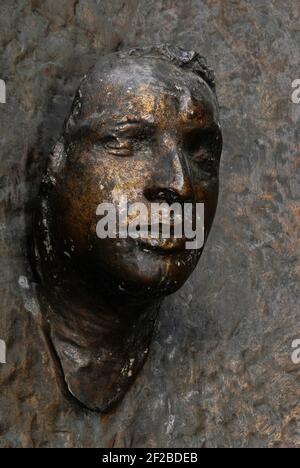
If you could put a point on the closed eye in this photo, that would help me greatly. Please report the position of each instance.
(126, 140)
(204, 149)
(115, 146)
(208, 139)
(204, 156)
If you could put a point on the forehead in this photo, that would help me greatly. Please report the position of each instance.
(150, 88)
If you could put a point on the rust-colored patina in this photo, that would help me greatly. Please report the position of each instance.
(144, 124)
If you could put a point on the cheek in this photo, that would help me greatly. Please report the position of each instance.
(76, 217)
(208, 192)
(88, 181)
(111, 177)
(75, 200)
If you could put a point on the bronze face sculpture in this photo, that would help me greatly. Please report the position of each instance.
(144, 124)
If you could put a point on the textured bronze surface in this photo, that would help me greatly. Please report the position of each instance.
(219, 372)
(144, 124)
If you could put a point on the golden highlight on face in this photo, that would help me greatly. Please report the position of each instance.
(147, 131)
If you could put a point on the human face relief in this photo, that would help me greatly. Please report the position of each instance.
(147, 134)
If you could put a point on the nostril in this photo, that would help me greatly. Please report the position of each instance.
(169, 196)
(166, 195)
(150, 193)
(171, 183)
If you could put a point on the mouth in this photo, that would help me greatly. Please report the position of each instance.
(161, 238)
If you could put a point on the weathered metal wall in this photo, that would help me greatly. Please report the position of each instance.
(220, 371)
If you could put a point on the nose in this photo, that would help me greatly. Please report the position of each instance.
(171, 181)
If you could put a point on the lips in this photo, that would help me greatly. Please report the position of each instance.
(159, 242)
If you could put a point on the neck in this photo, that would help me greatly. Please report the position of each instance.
(100, 346)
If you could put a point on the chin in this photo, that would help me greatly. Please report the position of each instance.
(128, 269)
(153, 276)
